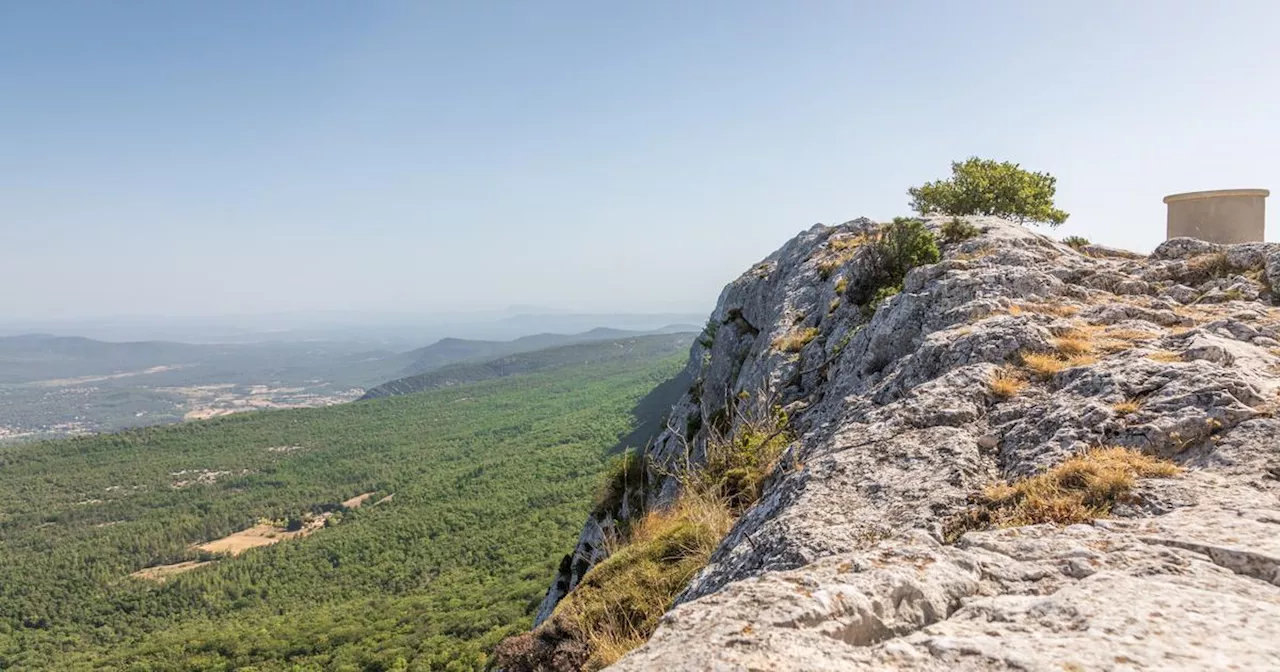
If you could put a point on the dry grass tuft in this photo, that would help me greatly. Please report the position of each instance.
(1080, 489)
(1047, 308)
(1045, 365)
(828, 265)
(1073, 344)
(838, 252)
(1042, 364)
(1006, 383)
(618, 603)
(795, 340)
(848, 243)
(1118, 340)
(1165, 356)
(1124, 334)
(1126, 407)
(1210, 265)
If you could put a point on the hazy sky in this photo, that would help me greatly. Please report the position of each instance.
(203, 158)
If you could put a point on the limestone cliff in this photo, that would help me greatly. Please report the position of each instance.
(852, 558)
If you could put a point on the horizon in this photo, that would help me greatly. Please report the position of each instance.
(189, 162)
(402, 330)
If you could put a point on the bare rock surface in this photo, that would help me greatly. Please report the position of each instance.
(843, 564)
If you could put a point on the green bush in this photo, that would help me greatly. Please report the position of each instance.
(883, 294)
(1076, 241)
(738, 464)
(958, 230)
(986, 187)
(896, 249)
(708, 336)
(629, 472)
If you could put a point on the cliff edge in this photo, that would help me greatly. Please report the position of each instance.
(926, 428)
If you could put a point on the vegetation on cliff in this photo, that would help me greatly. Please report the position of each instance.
(986, 187)
(618, 603)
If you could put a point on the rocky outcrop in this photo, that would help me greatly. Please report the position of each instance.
(849, 560)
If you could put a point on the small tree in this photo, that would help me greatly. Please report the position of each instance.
(895, 249)
(985, 187)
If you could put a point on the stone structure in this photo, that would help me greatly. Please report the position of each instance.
(1223, 216)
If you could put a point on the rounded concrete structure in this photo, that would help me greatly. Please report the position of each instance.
(1224, 216)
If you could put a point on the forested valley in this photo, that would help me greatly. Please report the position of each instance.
(461, 501)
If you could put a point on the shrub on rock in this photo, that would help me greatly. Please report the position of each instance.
(986, 187)
(896, 249)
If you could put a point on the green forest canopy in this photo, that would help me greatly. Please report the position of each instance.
(491, 480)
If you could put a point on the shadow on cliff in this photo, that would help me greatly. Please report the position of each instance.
(651, 411)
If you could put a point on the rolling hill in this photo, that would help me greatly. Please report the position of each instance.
(453, 350)
(636, 347)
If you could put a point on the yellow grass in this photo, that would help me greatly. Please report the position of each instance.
(1046, 364)
(1048, 308)
(1073, 345)
(1165, 356)
(1131, 334)
(1006, 383)
(794, 340)
(847, 243)
(1124, 338)
(1126, 407)
(619, 602)
(1080, 489)
(1042, 364)
(1080, 360)
(838, 252)
(1212, 264)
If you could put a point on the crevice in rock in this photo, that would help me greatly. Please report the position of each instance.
(1246, 563)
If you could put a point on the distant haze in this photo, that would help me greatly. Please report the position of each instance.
(394, 331)
(241, 158)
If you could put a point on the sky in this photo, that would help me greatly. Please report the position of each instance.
(181, 158)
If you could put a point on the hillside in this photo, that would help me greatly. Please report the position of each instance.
(1026, 456)
(52, 386)
(50, 360)
(592, 351)
(448, 351)
(411, 531)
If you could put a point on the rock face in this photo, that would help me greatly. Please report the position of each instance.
(846, 561)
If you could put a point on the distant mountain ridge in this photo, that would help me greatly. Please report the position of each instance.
(454, 350)
(34, 356)
(593, 351)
